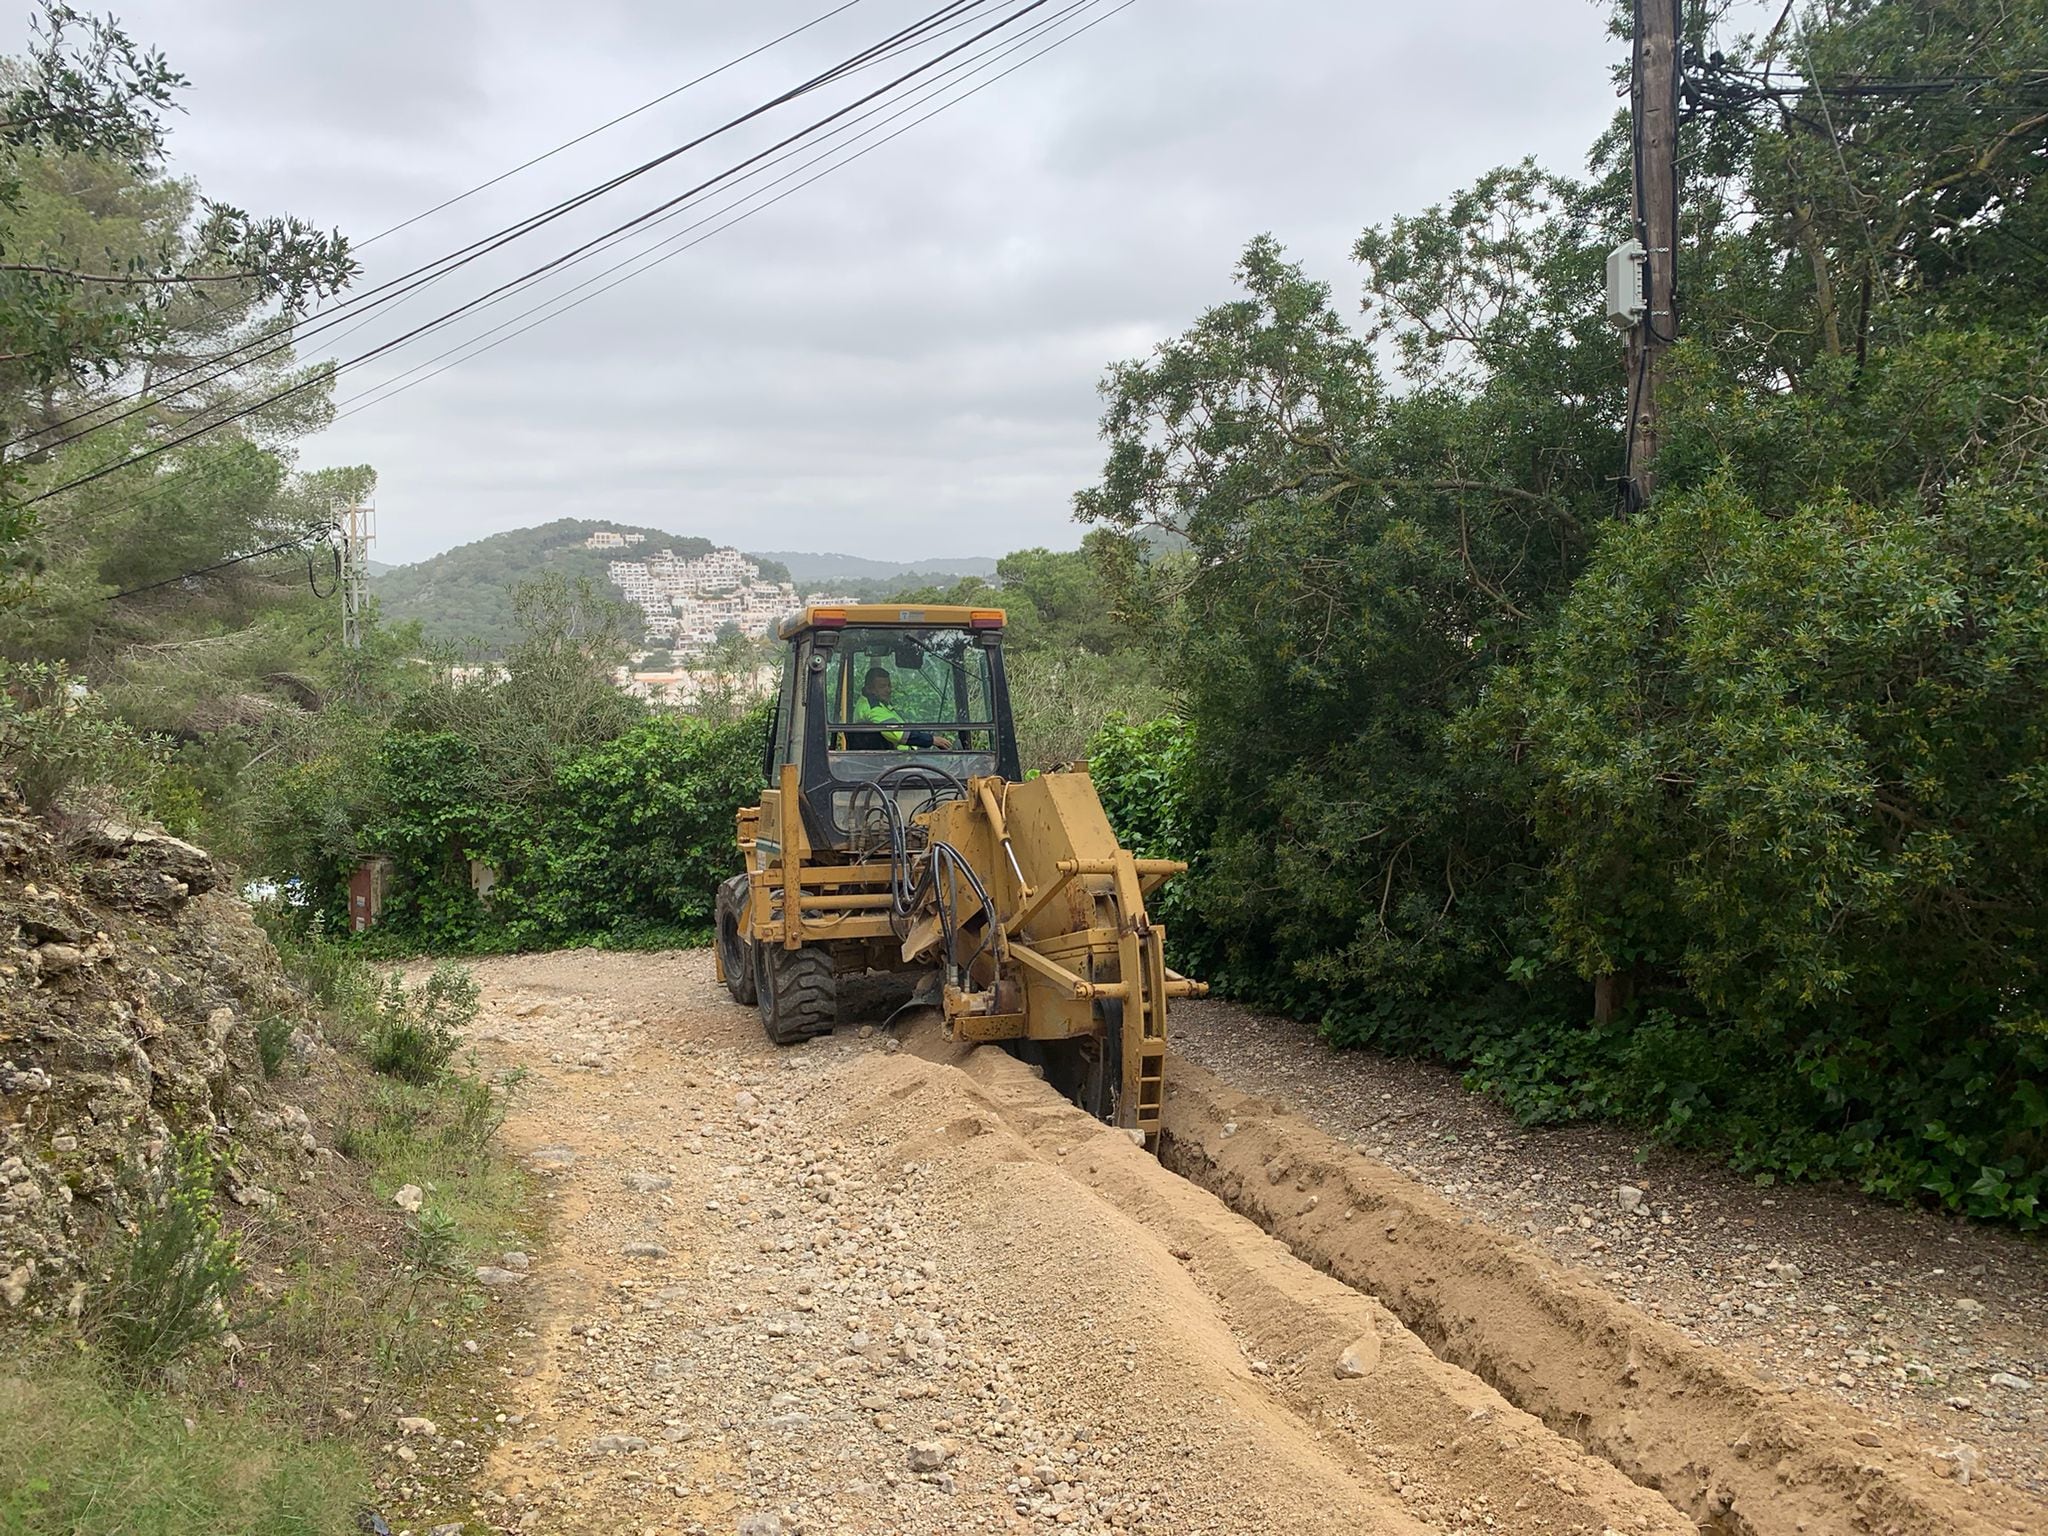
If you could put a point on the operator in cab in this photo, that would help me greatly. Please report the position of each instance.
(885, 724)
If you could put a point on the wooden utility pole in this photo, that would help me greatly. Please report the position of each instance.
(1654, 113)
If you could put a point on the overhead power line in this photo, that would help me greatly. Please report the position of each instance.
(591, 133)
(234, 358)
(910, 38)
(185, 479)
(179, 439)
(646, 106)
(241, 356)
(645, 260)
(1716, 84)
(305, 541)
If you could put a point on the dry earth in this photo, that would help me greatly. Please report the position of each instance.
(1929, 1325)
(877, 1286)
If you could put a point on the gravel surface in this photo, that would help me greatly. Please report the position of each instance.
(844, 1287)
(1918, 1320)
(758, 1319)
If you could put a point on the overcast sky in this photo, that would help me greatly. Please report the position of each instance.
(900, 360)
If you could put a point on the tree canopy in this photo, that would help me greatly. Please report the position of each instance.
(1460, 738)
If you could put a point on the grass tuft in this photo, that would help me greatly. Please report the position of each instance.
(273, 1043)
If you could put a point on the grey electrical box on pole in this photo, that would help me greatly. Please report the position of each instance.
(1625, 300)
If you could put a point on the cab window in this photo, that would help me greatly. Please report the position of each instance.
(910, 690)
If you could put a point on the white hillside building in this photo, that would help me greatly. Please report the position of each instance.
(687, 601)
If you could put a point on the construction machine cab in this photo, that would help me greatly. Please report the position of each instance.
(947, 719)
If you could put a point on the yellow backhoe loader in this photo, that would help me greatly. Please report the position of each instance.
(896, 834)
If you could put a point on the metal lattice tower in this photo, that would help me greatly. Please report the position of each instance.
(358, 529)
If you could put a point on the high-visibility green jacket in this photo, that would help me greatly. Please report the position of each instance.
(867, 712)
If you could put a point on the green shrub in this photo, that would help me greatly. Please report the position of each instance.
(59, 740)
(1787, 769)
(1964, 1132)
(273, 1043)
(176, 1269)
(417, 1030)
(624, 847)
(409, 1048)
(1795, 759)
(1140, 772)
(636, 837)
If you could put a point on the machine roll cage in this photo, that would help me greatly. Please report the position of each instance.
(808, 730)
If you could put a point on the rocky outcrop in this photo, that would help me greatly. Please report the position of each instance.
(132, 985)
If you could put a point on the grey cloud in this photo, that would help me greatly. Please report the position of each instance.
(901, 359)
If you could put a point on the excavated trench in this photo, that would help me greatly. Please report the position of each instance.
(1326, 1359)
(1729, 1451)
(1725, 1452)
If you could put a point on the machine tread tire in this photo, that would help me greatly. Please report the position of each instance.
(735, 949)
(798, 994)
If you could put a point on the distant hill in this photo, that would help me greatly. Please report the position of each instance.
(811, 571)
(465, 594)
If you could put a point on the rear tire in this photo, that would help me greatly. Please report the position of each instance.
(796, 992)
(735, 948)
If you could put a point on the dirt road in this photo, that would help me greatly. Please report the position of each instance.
(880, 1286)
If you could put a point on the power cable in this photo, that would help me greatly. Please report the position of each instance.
(394, 288)
(468, 349)
(547, 267)
(1720, 85)
(1841, 158)
(382, 392)
(591, 133)
(428, 283)
(398, 288)
(303, 541)
(377, 394)
(972, 64)
(334, 546)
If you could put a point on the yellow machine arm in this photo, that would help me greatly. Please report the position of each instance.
(1038, 917)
